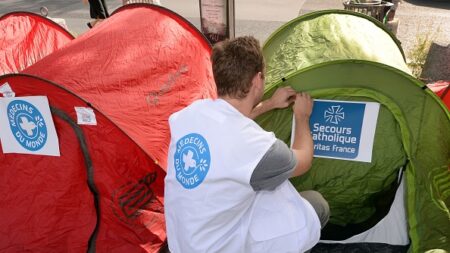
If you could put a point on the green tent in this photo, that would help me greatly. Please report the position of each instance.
(346, 56)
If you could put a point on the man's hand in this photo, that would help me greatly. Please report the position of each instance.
(303, 106)
(282, 97)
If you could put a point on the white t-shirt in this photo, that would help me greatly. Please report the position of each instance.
(210, 205)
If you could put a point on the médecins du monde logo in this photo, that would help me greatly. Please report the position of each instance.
(27, 125)
(192, 160)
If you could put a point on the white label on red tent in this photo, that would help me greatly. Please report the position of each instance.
(6, 91)
(26, 126)
(85, 116)
(343, 130)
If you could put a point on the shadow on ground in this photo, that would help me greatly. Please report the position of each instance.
(441, 4)
(437, 64)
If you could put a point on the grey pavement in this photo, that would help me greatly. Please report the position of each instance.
(74, 12)
(420, 19)
(251, 19)
(260, 18)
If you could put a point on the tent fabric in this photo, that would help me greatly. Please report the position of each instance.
(355, 197)
(392, 229)
(417, 118)
(103, 194)
(137, 67)
(26, 39)
(341, 55)
(442, 90)
(326, 36)
(359, 247)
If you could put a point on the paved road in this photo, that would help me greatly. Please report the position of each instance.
(74, 12)
(418, 18)
(255, 17)
(426, 18)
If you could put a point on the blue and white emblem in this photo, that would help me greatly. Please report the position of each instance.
(192, 160)
(334, 114)
(27, 125)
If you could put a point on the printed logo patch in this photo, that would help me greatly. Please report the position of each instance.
(334, 114)
(137, 205)
(27, 125)
(191, 160)
(336, 128)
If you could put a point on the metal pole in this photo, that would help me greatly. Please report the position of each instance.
(231, 19)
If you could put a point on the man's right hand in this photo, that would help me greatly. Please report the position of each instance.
(303, 106)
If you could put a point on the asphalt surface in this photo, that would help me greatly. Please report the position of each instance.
(427, 19)
(417, 19)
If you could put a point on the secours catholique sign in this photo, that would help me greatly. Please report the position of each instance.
(344, 129)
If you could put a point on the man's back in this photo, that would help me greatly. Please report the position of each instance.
(213, 152)
(227, 187)
(210, 204)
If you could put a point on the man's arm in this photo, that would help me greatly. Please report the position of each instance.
(282, 98)
(302, 147)
(280, 162)
(276, 166)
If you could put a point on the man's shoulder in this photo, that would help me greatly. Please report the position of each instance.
(194, 106)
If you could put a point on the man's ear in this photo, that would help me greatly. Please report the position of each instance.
(254, 85)
(257, 84)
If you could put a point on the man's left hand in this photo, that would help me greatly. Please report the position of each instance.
(282, 97)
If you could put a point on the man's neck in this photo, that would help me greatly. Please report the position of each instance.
(244, 106)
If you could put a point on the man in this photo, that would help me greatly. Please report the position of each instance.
(227, 187)
(98, 11)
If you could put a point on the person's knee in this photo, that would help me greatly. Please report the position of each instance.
(319, 204)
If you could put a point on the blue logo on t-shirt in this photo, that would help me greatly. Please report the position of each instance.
(27, 125)
(336, 128)
(191, 160)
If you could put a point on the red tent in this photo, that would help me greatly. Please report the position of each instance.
(137, 67)
(442, 90)
(103, 194)
(26, 38)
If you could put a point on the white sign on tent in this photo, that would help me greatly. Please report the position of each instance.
(343, 130)
(26, 126)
